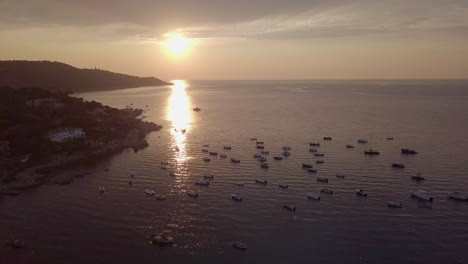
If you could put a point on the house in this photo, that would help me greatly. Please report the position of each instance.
(46, 102)
(66, 134)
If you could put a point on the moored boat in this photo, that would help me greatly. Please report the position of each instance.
(288, 206)
(327, 138)
(235, 160)
(164, 167)
(149, 192)
(160, 197)
(236, 197)
(339, 175)
(264, 165)
(286, 153)
(418, 177)
(284, 186)
(362, 141)
(204, 150)
(320, 161)
(256, 155)
(398, 165)
(206, 159)
(286, 148)
(227, 147)
(319, 154)
(213, 153)
(457, 196)
(260, 142)
(371, 152)
(349, 146)
(326, 190)
(262, 159)
(408, 151)
(192, 194)
(204, 183)
(253, 138)
(239, 245)
(206, 146)
(420, 194)
(265, 152)
(260, 147)
(322, 179)
(197, 109)
(312, 170)
(278, 158)
(305, 165)
(313, 196)
(162, 239)
(208, 176)
(315, 144)
(262, 181)
(102, 189)
(223, 156)
(395, 204)
(360, 192)
(312, 150)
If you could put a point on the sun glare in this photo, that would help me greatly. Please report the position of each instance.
(178, 45)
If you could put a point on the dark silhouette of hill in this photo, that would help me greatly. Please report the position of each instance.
(57, 76)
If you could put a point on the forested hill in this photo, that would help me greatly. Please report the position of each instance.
(59, 76)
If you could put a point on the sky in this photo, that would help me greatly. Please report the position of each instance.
(240, 39)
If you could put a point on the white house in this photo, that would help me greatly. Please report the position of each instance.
(66, 134)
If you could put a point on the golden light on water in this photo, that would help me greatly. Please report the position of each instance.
(179, 113)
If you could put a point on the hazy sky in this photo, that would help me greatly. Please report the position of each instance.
(240, 39)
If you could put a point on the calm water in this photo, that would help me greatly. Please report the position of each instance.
(76, 224)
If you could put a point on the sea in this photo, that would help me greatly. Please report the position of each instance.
(77, 224)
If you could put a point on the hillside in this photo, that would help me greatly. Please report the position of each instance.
(57, 76)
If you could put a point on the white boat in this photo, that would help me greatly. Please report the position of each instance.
(208, 176)
(192, 194)
(204, 150)
(239, 245)
(162, 239)
(256, 155)
(206, 159)
(284, 186)
(149, 192)
(286, 153)
(362, 141)
(102, 189)
(312, 170)
(262, 181)
(264, 165)
(223, 156)
(164, 167)
(235, 160)
(288, 206)
(322, 179)
(422, 195)
(265, 152)
(313, 150)
(278, 158)
(319, 154)
(204, 183)
(360, 192)
(457, 196)
(313, 196)
(339, 175)
(395, 204)
(326, 190)
(236, 197)
(160, 197)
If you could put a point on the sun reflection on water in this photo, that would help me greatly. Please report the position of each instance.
(180, 115)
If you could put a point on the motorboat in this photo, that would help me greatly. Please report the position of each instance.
(284, 186)
(227, 147)
(327, 138)
(390, 138)
(408, 151)
(398, 165)
(322, 179)
(312, 170)
(149, 192)
(418, 177)
(204, 150)
(204, 183)
(457, 196)
(362, 141)
(422, 195)
(260, 147)
(208, 176)
(395, 204)
(239, 245)
(235, 160)
(164, 163)
(262, 159)
(265, 152)
(360, 192)
(278, 158)
(288, 206)
(223, 156)
(313, 196)
(253, 138)
(319, 161)
(236, 197)
(313, 150)
(102, 189)
(206, 159)
(286, 148)
(206, 146)
(286, 153)
(264, 165)
(371, 152)
(326, 190)
(162, 239)
(349, 146)
(339, 175)
(172, 174)
(304, 165)
(260, 142)
(319, 154)
(316, 144)
(256, 155)
(192, 194)
(262, 181)
(213, 153)
(160, 197)
(197, 109)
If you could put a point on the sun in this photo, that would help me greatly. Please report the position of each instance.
(178, 45)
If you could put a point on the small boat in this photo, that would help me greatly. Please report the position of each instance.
(183, 131)
(160, 197)
(319, 154)
(265, 152)
(102, 189)
(326, 190)
(235, 160)
(164, 167)
(196, 109)
(132, 174)
(288, 206)
(206, 159)
(264, 165)
(362, 141)
(408, 151)
(239, 245)
(223, 156)
(327, 138)
(204, 183)
(149, 192)
(254, 138)
(422, 195)
(313, 196)
(371, 152)
(314, 144)
(262, 159)
(172, 174)
(360, 192)
(418, 177)
(390, 138)
(164, 163)
(322, 179)
(287, 148)
(257, 155)
(204, 150)
(17, 243)
(192, 194)
(278, 158)
(208, 176)
(457, 196)
(304, 165)
(206, 146)
(213, 153)
(260, 147)
(162, 239)
(286, 153)
(320, 162)
(398, 165)
(227, 147)
(349, 146)
(312, 170)
(312, 150)
(339, 175)
(395, 204)
(236, 197)
(262, 181)
(260, 142)
(284, 186)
